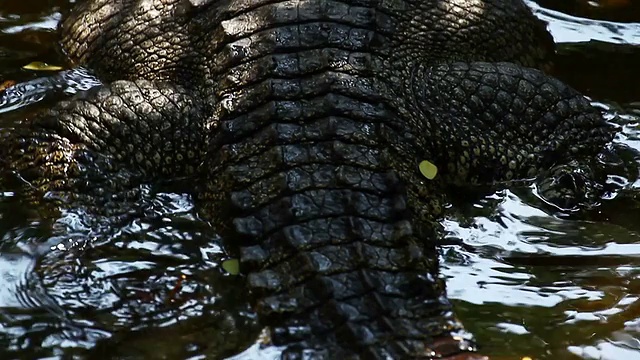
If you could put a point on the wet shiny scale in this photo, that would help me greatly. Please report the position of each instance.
(527, 279)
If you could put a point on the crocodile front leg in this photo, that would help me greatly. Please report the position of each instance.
(93, 150)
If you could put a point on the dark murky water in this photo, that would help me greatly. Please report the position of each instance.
(527, 280)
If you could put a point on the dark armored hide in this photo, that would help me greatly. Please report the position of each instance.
(304, 123)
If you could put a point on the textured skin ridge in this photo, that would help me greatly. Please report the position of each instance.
(530, 117)
(98, 147)
(302, 124)
(349, 284)
(338, 296)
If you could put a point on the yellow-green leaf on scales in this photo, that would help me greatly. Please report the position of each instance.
(428, 169)
(231, 266)
(41, 66)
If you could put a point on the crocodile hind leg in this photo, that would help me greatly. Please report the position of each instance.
(94, 150)
(521, 121)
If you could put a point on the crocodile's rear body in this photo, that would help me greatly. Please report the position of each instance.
(305, 122)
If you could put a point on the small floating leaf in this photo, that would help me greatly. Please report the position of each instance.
(428, 169)
(232, 266)
(41, 66)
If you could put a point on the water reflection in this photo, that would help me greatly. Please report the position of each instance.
(568, 29)
(63, 83)
(549, 286)
(120, 290)
(525, 279)
(49, 22)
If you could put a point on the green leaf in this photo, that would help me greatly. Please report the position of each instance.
(41, 66)
(231, 266)
(428, 169)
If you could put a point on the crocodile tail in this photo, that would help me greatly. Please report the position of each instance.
(324, 231)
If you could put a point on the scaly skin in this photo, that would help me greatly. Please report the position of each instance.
(304, 123)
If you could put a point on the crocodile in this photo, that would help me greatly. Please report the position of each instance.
(300, 126)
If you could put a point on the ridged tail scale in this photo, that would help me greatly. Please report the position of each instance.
(305, 187)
